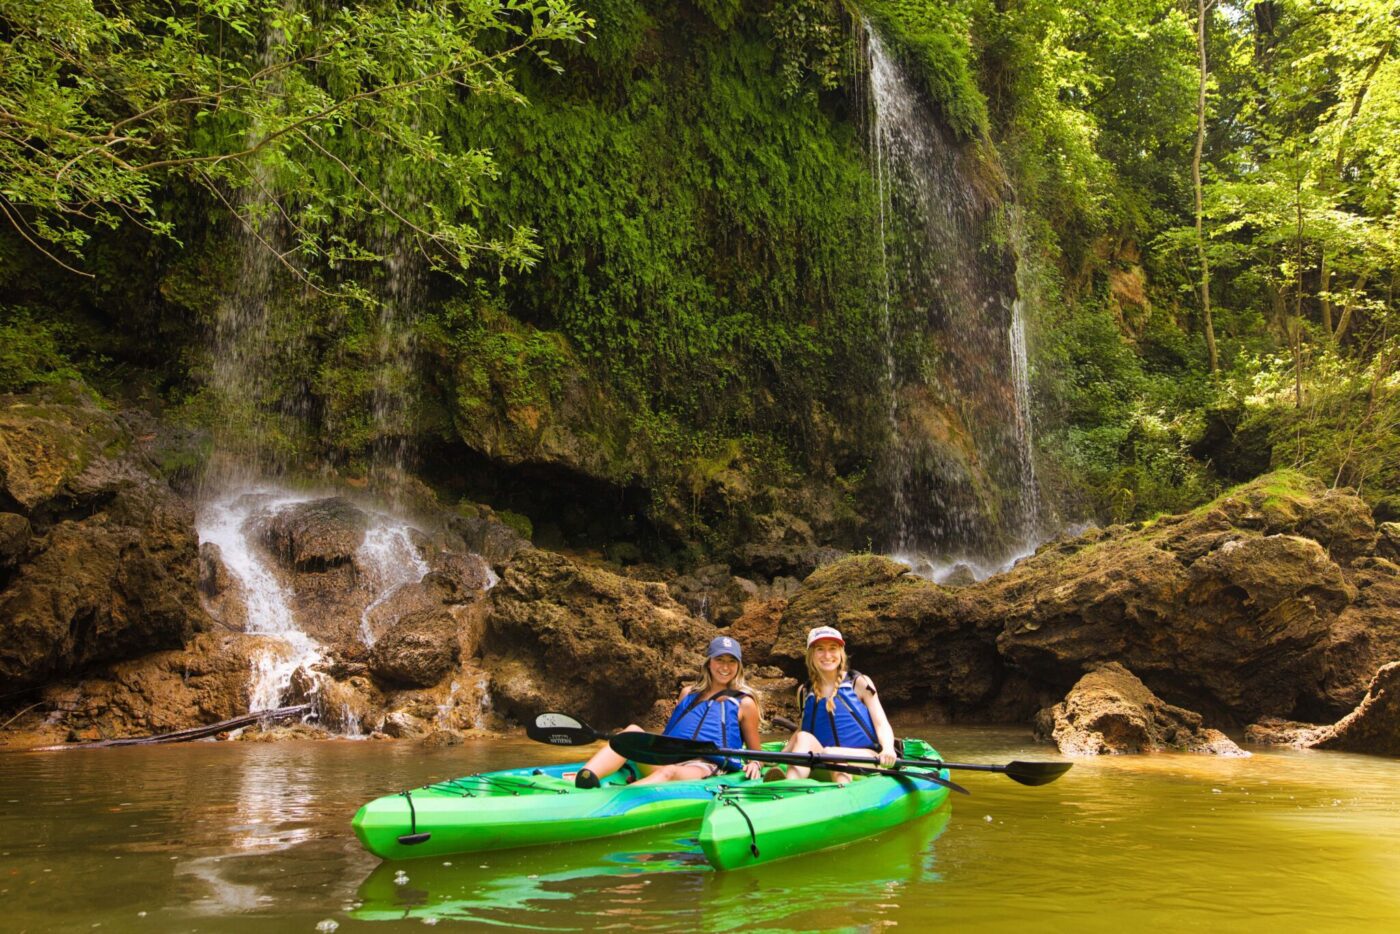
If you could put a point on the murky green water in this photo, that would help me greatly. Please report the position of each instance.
(246, 837)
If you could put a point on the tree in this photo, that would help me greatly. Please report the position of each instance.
(104, 106)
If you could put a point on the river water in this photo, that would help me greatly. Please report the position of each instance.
(256, 837)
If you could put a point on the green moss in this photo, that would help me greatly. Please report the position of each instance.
(934, 40)
(521, 524)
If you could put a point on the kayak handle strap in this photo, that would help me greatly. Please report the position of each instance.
(753, 837)
(413, 837)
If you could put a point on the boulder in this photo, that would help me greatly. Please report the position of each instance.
(712, 594)
(561, 636)
(1388, 540)
(916, 639)
(15, 534)
(488, 537)
(1110, 712)
(315, 535)
(204, 682)
(757, 629)
(418, 650)
(1374, 726)
(1236, 622)
(110, 569)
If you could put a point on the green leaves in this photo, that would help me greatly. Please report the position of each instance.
(324, 109)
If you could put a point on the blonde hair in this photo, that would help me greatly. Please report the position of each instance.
(703, 684)
(814, 677)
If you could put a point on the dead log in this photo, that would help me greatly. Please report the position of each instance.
(194, 732)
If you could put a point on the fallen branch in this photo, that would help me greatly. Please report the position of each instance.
(194, 732)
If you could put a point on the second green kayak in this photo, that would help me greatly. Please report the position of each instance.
(757, 823)
(523, 807)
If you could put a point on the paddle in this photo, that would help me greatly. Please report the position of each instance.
(1027, 773)
(560, 729)
(655, 749)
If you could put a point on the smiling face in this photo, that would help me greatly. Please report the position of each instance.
(723, 670)
(827, 657)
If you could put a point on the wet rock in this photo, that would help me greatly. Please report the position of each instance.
(315, 535)
(711, 593)
(916, 639)
(1234, 623)
(418, 650)
(402, 601)
(757, 628)
(561, 636)
(488, 537)
(111, 568)
(402, 725)
(458, 578)
(204, 682)
(223, 594)
(1275, 731)
(1110, 712)
(783, 560)
(1388, 543)
(1374, 726)
(14, 538)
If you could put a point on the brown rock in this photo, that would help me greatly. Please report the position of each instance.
(14, 538)
(914, 638)
(1388, 543)
(418, 650)
(1110, 712)
(560, 636)
(315, 535)
(1374, 726)
(1274, 731)
(757, 629)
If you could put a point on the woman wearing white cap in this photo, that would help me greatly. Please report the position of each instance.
(841, 712)
(719, 708)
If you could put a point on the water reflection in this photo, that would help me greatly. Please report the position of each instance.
(659, 882)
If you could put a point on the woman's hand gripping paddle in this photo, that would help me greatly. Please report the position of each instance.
(655, 749)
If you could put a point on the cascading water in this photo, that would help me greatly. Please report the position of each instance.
(228, 522)
(388, 559)
(959, 469)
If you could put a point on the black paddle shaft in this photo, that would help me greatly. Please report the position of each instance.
(655, 749)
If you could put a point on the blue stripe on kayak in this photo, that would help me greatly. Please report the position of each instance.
(631, 799)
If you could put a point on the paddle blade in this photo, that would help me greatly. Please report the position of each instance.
(654, 749)
(560, 729)
(1036, 773)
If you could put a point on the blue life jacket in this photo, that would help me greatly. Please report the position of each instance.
(849, 725)
(714, 721)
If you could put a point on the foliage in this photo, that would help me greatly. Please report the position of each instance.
(102, 108)
(31, 351)
(934, 36)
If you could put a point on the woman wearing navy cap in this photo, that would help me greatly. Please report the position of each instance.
(841, 714)
(719, 708)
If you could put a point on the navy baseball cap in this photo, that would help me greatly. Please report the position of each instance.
(724, 645)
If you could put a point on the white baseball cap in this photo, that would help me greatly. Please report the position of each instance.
(824, 632)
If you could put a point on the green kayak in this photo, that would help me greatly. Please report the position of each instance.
(757, 823)
(524, 807)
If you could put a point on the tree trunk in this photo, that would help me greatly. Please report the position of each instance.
(1206, 321)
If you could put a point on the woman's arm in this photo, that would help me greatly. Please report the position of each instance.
(748, 726)
(865, 689)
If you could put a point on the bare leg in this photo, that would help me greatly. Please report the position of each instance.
(605, 762)
(680, 772)
(801, 741)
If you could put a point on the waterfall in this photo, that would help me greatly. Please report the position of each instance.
(228, 522)
(389, 559)
(958, 471)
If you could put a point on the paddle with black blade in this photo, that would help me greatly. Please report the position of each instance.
(1027, 773)
(655, 749)
(560, 729)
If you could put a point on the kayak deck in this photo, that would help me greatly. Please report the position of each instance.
(529, 806)
(758, 823)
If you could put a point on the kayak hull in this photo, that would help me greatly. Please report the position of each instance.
(757, 824)
(521, 808)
